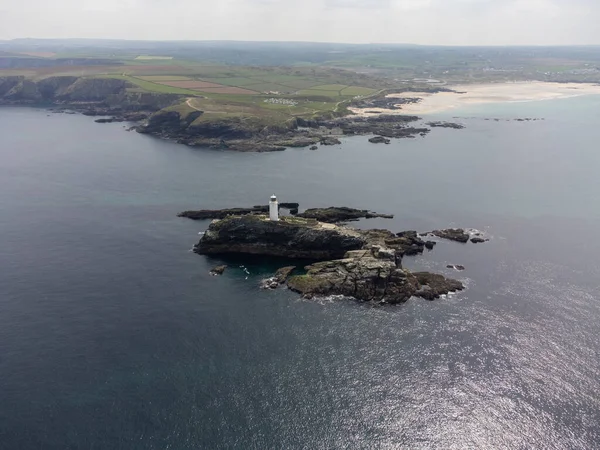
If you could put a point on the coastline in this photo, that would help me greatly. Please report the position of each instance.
(385, 116)
(424, 103)
(477, 94)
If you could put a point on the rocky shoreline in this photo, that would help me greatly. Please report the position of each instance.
(362, 264)
(237, 135)
(115, 100)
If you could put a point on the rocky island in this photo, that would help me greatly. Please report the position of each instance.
(363, 264)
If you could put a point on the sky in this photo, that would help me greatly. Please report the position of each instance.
(440, 22)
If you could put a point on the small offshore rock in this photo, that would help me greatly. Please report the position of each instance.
(478, 240)
(453, 234)
(269, 283)
(456, 267)
(456, 126)
(218, 270)
(430, 244)
(438, 285)
(314, 147)
(379, 140)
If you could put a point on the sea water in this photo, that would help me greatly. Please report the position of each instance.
(113, 335)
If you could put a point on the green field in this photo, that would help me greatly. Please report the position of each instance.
(153, 58)
(307, 92)
(310, 80)
(156, 78)
(149, 86)
(232, 81)
(356, 91)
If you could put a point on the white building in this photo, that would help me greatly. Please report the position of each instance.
(274, 209)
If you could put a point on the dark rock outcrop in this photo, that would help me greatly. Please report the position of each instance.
(205, 214)
(291, 237)
(341, 214)
(299, 143)
(328, 140)
(109, 97)
(456, 126)
(430, 244)
(379, 140)
(218, 270)
(478, 240)
(7, 84)
(110, 120)
(433, 285)
(284, 273)
(269, 283)
(368, 275)
(406, 243)
(365, 265)
(453, 234)
(456, 267)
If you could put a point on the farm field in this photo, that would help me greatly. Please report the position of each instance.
(150, 58)
(269, 95)
(159, 78)
(273, 83)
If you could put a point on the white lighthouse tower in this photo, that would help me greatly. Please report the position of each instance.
(274, 209)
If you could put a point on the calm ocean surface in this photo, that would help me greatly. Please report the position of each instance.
(114, 336)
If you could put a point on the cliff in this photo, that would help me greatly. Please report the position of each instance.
(94, 96)
(291, 237)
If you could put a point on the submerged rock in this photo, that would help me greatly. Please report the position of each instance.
(478, 240)
(456, 267)
(453, 234)
(341, 214)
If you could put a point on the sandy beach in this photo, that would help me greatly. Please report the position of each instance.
(485, 93)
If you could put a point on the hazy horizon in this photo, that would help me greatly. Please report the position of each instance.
(266, 41)
(408, 22)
